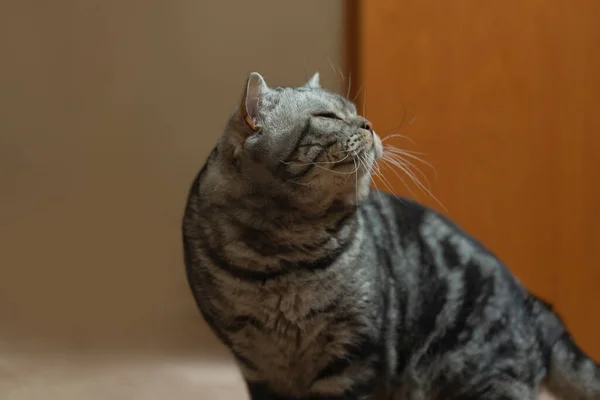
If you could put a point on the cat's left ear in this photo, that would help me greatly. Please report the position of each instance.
(314, 82)
(255, 90)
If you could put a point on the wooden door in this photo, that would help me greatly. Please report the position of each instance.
(505, 98)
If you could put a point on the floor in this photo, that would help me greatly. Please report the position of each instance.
(69, 377)
(94, 377)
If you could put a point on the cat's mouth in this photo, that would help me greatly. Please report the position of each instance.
(360, 153)
(348, 162)
(358, 159)
(377, 146)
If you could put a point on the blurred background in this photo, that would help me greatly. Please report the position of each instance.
(108, 109)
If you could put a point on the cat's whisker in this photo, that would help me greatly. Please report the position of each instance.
(339, 152)
(415, 180)
(394, 135)
(331, 65)
(404, 151)
(394, 157)
(349, 85)
(410, 153)
(337, 172)
(357, 94)
(377, 172)
(319, 164)
(388, 185)
(295, 182)
(401, 163)
(404, 167)
(336, 70)
(374, 170)
(312, 162)
(401, 120)
(356, 182)
(364, 163)
(364, 107)
(409, 165)
(413, 155)
(399, 176)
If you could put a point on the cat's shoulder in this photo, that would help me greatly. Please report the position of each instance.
(400, 209)
(413, 215)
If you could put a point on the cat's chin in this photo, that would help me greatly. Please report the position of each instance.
(377, 146)
(355, 199)
(359, 192)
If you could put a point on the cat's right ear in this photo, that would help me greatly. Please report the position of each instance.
(255, 90)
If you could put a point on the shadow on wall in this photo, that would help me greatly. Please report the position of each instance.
(110, 109)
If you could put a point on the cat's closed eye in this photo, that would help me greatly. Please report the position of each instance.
(327, 114)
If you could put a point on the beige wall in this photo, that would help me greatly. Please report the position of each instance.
(107, 110)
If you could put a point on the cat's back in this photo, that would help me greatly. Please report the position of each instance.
(458, 302)
(438, 264)
(413, 223)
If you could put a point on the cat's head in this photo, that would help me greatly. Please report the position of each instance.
(305, 144)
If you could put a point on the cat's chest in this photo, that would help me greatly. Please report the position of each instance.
(283, 311)
(287, 333)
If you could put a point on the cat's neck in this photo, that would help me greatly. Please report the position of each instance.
(271, 216)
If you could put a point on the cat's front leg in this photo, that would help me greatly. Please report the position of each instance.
(500, 389)
(260, 391)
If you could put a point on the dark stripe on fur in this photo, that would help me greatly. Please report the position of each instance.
(383, 256)
(358, 352)
(242, 321)
(328, 309)
(305, 171)
(496, 328)
(434, 292)
(348, 217)
(261, 243)
(305, 131)
(450, 254)
(241, 272)
(477, 290)
(324, 262)
(285, 267)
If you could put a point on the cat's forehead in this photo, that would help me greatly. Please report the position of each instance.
(300, 98)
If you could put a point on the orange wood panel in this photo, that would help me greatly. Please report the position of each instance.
(506, 97)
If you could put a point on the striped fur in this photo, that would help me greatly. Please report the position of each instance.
(324, 289)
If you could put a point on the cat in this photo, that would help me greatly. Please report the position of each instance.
(324, 288)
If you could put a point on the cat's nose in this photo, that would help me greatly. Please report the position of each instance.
(366, 124)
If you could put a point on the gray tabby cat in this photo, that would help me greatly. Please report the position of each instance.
(325, 289)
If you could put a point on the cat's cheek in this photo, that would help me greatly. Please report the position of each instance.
(338, 186)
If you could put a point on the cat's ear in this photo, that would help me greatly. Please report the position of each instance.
(254, 91)
(313, 82)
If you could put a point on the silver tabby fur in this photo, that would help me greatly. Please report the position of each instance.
(325, 289)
